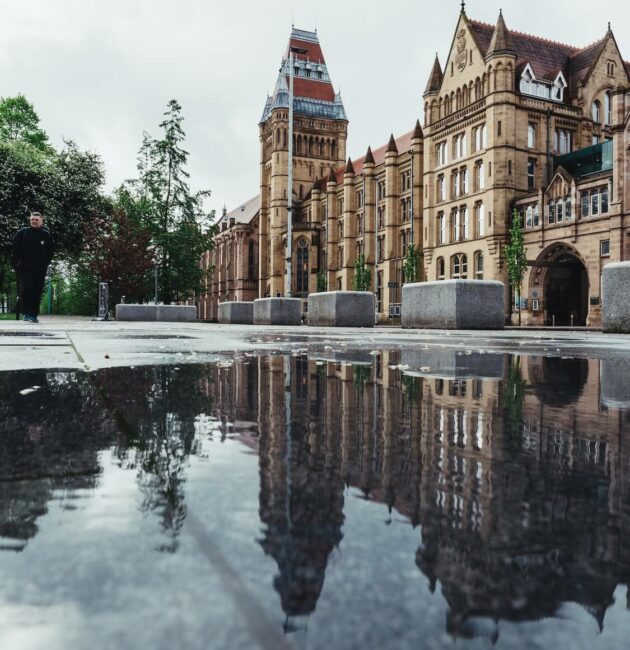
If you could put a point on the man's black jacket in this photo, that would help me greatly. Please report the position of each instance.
(32, 250)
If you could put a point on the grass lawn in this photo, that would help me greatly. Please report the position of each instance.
(7, 316)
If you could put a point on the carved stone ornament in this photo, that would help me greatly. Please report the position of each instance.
(461, 58)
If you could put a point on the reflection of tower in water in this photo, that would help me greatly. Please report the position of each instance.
(301, 488)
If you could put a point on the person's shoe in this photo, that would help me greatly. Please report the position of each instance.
(26, 318)
(34, 319)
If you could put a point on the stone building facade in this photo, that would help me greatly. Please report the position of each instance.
(511, 122)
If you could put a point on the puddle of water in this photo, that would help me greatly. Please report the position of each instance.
(286, 502)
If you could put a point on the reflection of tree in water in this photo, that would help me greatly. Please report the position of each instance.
(157, 409)
(52, 427)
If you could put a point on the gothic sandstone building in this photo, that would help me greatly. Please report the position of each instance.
(511, 122)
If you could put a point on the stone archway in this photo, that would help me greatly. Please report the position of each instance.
(562, 276)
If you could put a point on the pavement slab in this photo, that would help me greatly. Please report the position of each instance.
(80, 343)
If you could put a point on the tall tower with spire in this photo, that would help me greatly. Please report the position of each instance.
(319, 141)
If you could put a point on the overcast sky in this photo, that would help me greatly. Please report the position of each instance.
(102, 72)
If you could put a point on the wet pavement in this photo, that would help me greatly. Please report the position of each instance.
(273, 489)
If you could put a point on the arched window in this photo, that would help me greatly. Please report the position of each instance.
(596, 109)
(459, 267)
(251, 261)
(479, 265)
(440, 268)
(608, 107)
(302, 266)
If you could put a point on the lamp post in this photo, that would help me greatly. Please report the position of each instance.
(289, 260)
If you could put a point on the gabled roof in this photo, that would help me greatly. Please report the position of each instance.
(244, 214)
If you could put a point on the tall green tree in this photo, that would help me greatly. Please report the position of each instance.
(362, 276)
(162, 200)
(516, 259)
(20, 123)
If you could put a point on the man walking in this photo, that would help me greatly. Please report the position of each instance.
(32, 251)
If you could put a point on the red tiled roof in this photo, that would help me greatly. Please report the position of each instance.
(546, 57)
(312, 89)
(314, 53)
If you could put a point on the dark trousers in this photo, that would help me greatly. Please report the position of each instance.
(30, 287)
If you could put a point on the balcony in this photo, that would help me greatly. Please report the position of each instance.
(588, 161)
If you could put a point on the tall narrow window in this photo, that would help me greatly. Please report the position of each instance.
(441, 229)
(608, 107)
(251, 261)
(531, 174)
(531, 136)
(596, 110)
(440, 268)
(302, 266)
(481, 220)
(479, 266)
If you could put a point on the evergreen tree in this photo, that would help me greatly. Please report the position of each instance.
(516, 259)
(162, 200)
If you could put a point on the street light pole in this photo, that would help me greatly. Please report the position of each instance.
(287, 289)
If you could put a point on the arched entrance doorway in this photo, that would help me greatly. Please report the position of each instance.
(566, 291)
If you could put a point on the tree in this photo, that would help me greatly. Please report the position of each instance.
(117, 251)
(362, 276)
(411, 264)
(322, 282)
(516, 259)
(163, 201)
(20, 122)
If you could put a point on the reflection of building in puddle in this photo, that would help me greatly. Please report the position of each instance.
(518, 484)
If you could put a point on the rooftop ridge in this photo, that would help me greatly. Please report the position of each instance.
(542, 39)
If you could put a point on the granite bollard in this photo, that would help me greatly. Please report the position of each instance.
(616, 298)
(156, 313)
(341, 309)
(237, 312)
(453, 304)
(278, 311)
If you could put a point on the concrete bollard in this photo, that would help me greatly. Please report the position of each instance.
(616, 298)
(453, 304)
(341, 309)
(236, 313)
(278, 311)
(156, 313)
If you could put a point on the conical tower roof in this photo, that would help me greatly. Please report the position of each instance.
(501, 42)
(391, 146)
(436, 76)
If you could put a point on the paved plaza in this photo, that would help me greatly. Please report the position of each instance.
(80, 343)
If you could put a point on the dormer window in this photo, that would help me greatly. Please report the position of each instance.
(545, 89)
(296, 70)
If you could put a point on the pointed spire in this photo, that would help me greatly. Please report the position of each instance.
(417, 132)
(349, 167)
(435, 78)
(609, 28)
(369, 157)
(463, 6)
(392, 144)
(332, 177)
(501, 40)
